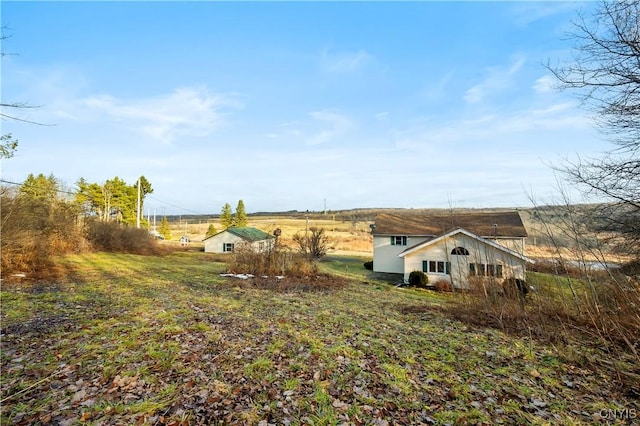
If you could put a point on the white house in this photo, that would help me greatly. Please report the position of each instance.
(451, 247)
(231, 238)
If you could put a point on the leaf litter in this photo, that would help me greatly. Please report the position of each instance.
(125, 347)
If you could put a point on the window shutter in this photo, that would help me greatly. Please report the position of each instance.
(393, 241)
(425, 266)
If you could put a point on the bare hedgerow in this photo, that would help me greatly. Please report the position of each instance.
(34, 229)
(115, 237)
(276, 260)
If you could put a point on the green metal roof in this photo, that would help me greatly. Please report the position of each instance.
(249, 234)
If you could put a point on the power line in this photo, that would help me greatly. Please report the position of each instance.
(74, 193)
(62, 191)
(173, 205)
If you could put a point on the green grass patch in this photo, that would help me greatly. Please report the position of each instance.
(133, 339)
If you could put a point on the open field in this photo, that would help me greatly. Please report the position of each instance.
(127, 339)
(350, 234)
(346, 236)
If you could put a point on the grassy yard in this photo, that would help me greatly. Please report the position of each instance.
(127, 339)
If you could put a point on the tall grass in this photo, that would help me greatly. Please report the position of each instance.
(576, 297)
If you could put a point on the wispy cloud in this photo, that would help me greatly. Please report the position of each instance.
(525, 13)
(544, 84)
(345, 61)
(334, 125)
(487, 130)
(497, 79)
(190, 111)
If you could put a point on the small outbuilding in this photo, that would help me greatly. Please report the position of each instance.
(231, 238)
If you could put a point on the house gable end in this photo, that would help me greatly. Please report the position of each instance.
(468, 234)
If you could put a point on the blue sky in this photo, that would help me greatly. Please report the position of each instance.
(288, 104)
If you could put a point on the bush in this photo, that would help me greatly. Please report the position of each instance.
(443, 286)
(34, 230)
(247, 260)
(111, 236)
(368, 265)
(313, 244)
(515, 287)
(418, 279)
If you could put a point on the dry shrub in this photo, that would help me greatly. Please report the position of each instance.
(560, 309)
(33, 231)
(443, 286)
(114, 237)
(275, 261)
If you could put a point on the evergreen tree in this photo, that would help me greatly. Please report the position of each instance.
(226, 217)
(240, 219)
(40, 187)
(113, 199)
(164, 229)
(211, 230)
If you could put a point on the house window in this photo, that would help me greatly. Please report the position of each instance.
(436, 267)
(482, 270)
(494, 271)
(461, 251)
(227, 247)
(399, 240)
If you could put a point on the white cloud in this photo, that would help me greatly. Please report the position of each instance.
(335, 125)
(497, 79)
(345, 62)
(525, 13)
(501, 129)
(544, 84)
(190, 111)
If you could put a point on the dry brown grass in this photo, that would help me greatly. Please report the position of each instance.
(345, 237)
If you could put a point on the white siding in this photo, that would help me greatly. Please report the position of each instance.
(385, 255)
(515, 244)
(215, 243)
(479, 252)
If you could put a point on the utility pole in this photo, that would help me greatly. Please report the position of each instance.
(138, 209)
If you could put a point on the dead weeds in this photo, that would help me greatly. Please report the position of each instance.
(168, 341)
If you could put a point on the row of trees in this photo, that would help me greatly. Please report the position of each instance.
(41, 218)
(114, 199)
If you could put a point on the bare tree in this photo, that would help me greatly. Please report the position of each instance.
(8, 144)
(604, 73)
(312, 244)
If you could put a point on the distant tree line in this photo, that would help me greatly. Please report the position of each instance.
(42, 218)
